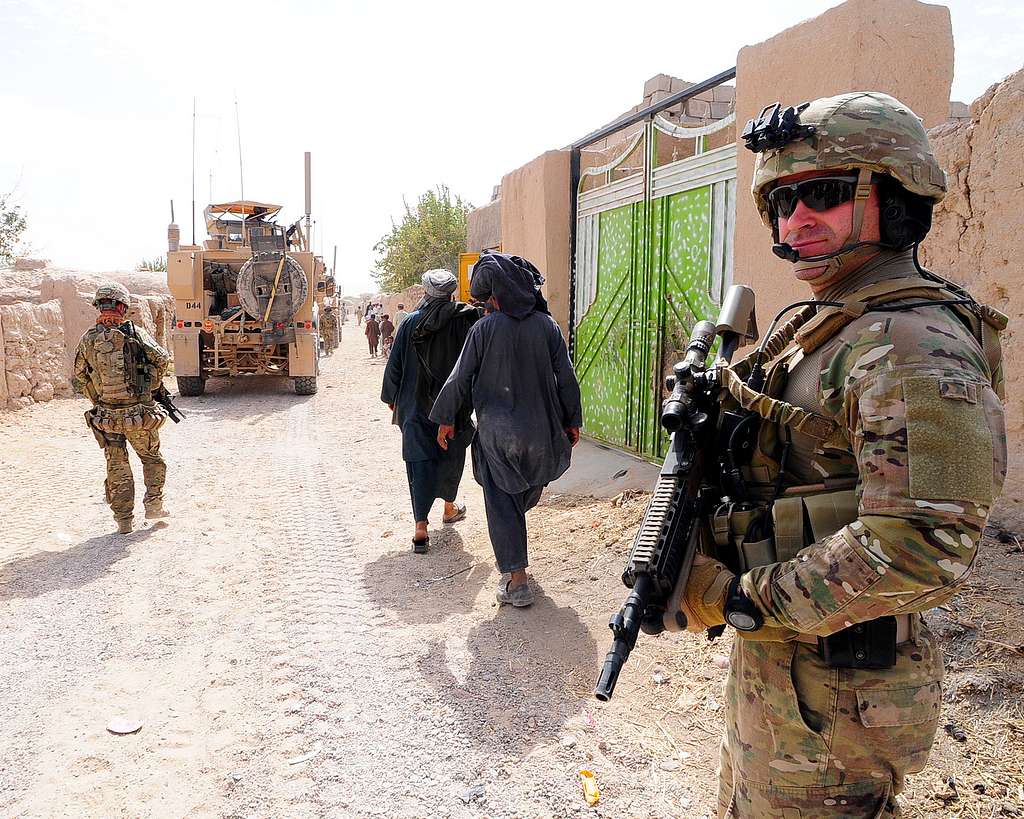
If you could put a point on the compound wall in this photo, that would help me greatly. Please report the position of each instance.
(33, 358)
(535, 224)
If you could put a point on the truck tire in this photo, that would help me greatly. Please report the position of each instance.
(191, 385)
(305, 385)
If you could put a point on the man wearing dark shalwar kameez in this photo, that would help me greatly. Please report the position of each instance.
(425, 349)
(372, 333)
(516, 369)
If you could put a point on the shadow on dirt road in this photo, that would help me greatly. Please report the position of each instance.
(426, 588)
(43, 572)
(526, 671)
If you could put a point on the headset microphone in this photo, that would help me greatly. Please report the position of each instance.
(785, 251)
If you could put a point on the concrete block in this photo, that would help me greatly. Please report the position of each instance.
(659, 82)
(959, 110)
(720, 110)
(698, 108)
(483, 227)
(723, 93)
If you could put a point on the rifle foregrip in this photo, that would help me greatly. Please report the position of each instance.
(649, 541)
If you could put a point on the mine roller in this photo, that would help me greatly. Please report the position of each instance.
(247, 302)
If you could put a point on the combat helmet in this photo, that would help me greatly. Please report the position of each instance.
(866, 131)
(112, 291)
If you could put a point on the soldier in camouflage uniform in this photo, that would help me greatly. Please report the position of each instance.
(874, 514)
(329, 329)
(117, 366)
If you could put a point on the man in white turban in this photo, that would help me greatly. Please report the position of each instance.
(425, 349)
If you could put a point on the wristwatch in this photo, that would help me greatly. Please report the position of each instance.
(740, 611)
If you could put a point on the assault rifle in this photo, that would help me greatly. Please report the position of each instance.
(163, 398)
(143, 378)
(699, 469)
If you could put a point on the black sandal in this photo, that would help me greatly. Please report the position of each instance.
(420, 545)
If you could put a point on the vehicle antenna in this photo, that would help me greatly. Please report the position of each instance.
(172, 210)
(334, 264)
(309, 236)
(193, 170)
(238, 130)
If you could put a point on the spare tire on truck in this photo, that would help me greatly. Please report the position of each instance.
(256, 286)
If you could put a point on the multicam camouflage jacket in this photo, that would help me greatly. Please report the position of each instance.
(100, 370)
(918, 424)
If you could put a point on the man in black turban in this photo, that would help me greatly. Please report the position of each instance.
(516, 370)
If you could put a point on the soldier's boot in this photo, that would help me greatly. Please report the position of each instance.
(155, 509)
(124, 526)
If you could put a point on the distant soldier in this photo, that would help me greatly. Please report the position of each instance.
(329, 329)
(117, 366)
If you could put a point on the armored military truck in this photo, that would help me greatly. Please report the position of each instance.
(247, 301)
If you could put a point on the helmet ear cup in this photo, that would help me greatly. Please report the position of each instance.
(904, 218)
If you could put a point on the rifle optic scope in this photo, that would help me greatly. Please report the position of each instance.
(673, 411)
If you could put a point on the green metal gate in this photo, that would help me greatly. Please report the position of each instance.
(653, 255)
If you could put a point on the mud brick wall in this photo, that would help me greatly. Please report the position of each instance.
(33, 362)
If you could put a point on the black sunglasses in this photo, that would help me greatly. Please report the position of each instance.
(819, 193)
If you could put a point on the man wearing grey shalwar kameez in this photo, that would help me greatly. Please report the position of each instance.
(516, 369)
(425, 349)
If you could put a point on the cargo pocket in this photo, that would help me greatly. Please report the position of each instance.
(901, 720)
(941, 411)
(893, 707)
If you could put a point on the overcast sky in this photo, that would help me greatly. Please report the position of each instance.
(391, 98)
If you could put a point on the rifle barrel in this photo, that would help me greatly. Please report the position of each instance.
(625, 625)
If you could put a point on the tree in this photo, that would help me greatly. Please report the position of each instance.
(431, 235)
(12, 224)
(159, 264)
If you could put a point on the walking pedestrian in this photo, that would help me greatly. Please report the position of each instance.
(400, 316)
(516, 369)
(359, 315)
(372, 332)
(387, 334)
(425, 350)
(118, 366)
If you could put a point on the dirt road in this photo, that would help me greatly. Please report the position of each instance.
(289, 656)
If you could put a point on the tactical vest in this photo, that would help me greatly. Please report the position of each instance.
(779, 522)
(116, 383)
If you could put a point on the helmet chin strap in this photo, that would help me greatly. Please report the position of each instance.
(852, 254)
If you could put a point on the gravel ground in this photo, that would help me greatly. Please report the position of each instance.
(289, 656)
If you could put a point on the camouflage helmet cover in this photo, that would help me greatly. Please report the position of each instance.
(112, 291)
(865, 129)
